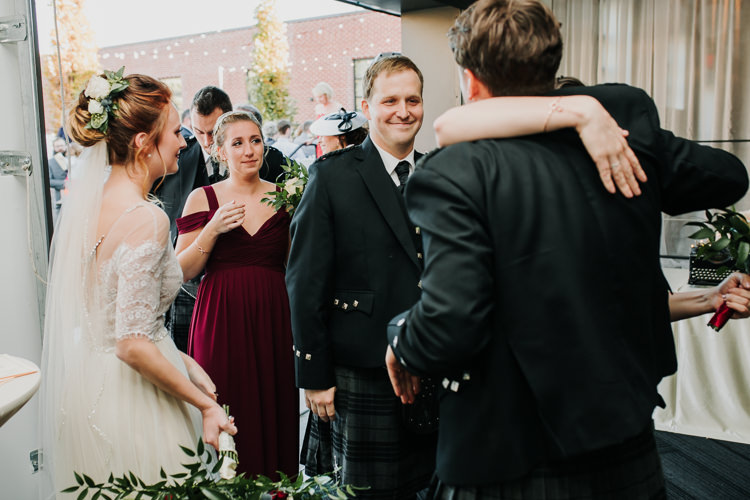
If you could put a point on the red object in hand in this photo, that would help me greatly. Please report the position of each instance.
(720, 318)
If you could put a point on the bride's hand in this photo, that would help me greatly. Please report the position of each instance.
(215, 420)
(229, 216)
(606, 143)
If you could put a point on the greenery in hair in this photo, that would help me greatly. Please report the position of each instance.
(102, 94)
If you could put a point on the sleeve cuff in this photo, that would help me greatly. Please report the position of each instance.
(313, 369)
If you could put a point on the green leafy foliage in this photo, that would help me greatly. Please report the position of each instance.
(728, 239)
(198, 484)
(268, 76)
(291, 186)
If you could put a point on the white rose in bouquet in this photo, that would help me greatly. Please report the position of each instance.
(290, 186)
(95, 107)
(97, 88)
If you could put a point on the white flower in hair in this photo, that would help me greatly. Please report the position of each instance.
(95, 107)
(97, 88)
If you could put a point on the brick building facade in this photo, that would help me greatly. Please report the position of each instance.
(335, 49)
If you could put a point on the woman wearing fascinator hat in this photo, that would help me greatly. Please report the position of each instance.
(340, 130)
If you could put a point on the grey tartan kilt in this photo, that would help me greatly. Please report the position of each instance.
(628, 471)
(181, 314)
(367, 440)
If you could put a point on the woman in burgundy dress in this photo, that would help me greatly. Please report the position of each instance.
(240, 331)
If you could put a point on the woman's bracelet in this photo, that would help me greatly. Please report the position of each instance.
(202, 250)
(554, 106)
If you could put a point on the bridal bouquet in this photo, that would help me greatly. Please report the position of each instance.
(228, 453)
(291, 186)
(726, 236)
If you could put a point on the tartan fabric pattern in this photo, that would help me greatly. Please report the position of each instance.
(629, 471)
(181, 313)
(367, 439)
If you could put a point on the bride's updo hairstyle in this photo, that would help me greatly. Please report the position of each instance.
(142, 107)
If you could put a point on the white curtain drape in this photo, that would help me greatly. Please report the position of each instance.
(687, 54)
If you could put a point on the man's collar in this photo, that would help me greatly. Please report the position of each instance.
(390, 161)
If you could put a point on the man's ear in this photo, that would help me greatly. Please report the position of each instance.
(365, 108)
(475, 89)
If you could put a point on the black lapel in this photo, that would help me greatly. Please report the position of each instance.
(387, 198)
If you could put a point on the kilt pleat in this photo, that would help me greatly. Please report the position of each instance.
(367, 441)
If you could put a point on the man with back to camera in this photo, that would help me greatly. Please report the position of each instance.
(355, 261)
(544, 310)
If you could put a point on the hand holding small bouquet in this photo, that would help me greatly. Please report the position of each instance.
(227, 453)
(728, 235)
(291, 186)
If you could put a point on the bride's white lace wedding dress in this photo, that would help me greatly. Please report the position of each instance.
(112, 419)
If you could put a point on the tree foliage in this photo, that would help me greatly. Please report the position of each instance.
(268, 77)
(78, 59)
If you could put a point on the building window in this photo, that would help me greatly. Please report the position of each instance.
(359, 66)
(175, 85)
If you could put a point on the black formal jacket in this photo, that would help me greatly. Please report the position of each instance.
(174, 189)
(544, 311)
(355, 262)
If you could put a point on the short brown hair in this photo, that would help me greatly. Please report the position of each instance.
(514, 47)
(388, 65)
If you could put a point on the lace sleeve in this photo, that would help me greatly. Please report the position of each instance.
(139, 275)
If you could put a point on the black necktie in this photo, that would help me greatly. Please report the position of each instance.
(402, 171)
(216, 174)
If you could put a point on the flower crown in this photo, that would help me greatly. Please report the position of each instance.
(102, 93)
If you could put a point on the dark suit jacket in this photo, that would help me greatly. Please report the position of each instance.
(544, 310)
(175, 188)
(57, 176)
(354, 262)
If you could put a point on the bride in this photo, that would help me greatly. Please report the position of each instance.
(117, 395)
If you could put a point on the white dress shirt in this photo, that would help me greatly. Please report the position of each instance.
(391, 162)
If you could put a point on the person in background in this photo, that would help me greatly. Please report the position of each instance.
(57, 167)
(186, 123)
(241, 331)
(270, 131)
(306, 138)
(324, 103)
(340, 130)
(284, 138)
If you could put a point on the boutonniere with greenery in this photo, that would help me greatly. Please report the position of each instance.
(102, 93)
(197, 483)
(291, 186)
(725, 239)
